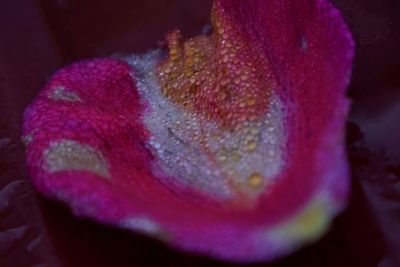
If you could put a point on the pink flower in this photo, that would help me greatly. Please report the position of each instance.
(228, 145)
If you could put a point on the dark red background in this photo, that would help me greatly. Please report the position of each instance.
(39, 37)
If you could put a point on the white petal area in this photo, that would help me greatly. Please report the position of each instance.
(67, 155)
(62, 93)
(193, 152)
(144, 225)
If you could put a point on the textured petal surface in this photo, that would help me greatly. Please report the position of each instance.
(93, 133)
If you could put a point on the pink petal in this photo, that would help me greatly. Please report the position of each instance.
(93, 138)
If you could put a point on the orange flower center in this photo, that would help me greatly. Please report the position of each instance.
(222, 77)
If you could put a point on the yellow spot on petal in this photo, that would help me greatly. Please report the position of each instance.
(255, 180)
(309, 224)
(250, 101)
(65, 155)
(251, 146)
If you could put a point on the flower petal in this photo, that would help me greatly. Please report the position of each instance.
(231, 145)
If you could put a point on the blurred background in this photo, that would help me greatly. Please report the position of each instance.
(39, 37)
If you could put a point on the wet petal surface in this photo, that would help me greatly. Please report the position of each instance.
(229, 145)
